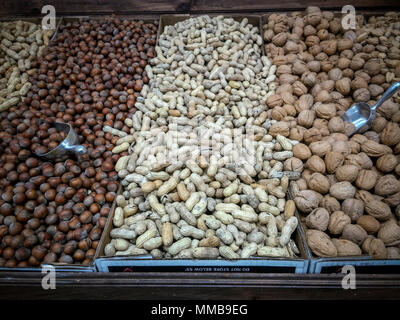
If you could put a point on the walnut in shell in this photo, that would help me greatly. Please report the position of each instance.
(378, 209)
(377, 249)
(320, 243)
(320, 148)
(319, 183)
(390, 135)
(361, 95)
(374, 149)
(386, 163)
(393, 200)
(354, 233)
(346, 248)
(333, 160)
(281, 127)
(312, 135)
(347, 173)
(369, 224)
(354, 208)
(342, 190)
(301, 151)
(387, 185)
(326, 111)
(341, 146)
(330, 203)
(293, 164)
(306, 118)
(307, 200)
(336, 124)
(389, 233)
(366, 179)
(337, 222)
(316, 164)
(393, 253)
(318, 219)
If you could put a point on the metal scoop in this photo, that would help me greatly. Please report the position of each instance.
(67, 147)
(361, 115)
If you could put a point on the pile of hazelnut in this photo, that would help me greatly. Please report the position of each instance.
(89, 77)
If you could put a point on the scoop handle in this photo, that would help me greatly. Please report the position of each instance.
(77, 149)
(389, 92)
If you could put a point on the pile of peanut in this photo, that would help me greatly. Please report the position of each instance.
(204, 178)
(349, 191)
(20, 43)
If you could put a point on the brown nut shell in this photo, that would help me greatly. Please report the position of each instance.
(347, 173)
(342, 190)
(307, 200)
(346, 248)
(320, 243)
(338, 220)
(354, 233)
(378, 209)
(369, 224)
(318, 219)
(389, 233)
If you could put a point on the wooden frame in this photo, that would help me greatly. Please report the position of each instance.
(136, 286)
(154, 7)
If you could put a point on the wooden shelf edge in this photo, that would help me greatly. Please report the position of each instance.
(27, 285)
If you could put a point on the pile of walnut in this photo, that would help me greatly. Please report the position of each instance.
(350, 188)
(191, 189)
(20, 43)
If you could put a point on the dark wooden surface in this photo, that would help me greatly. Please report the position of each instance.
(15, 285)
(151, 7)
(283, 5)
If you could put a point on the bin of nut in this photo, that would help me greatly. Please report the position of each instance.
(204, 177)
(89, 77)
(349, 191)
